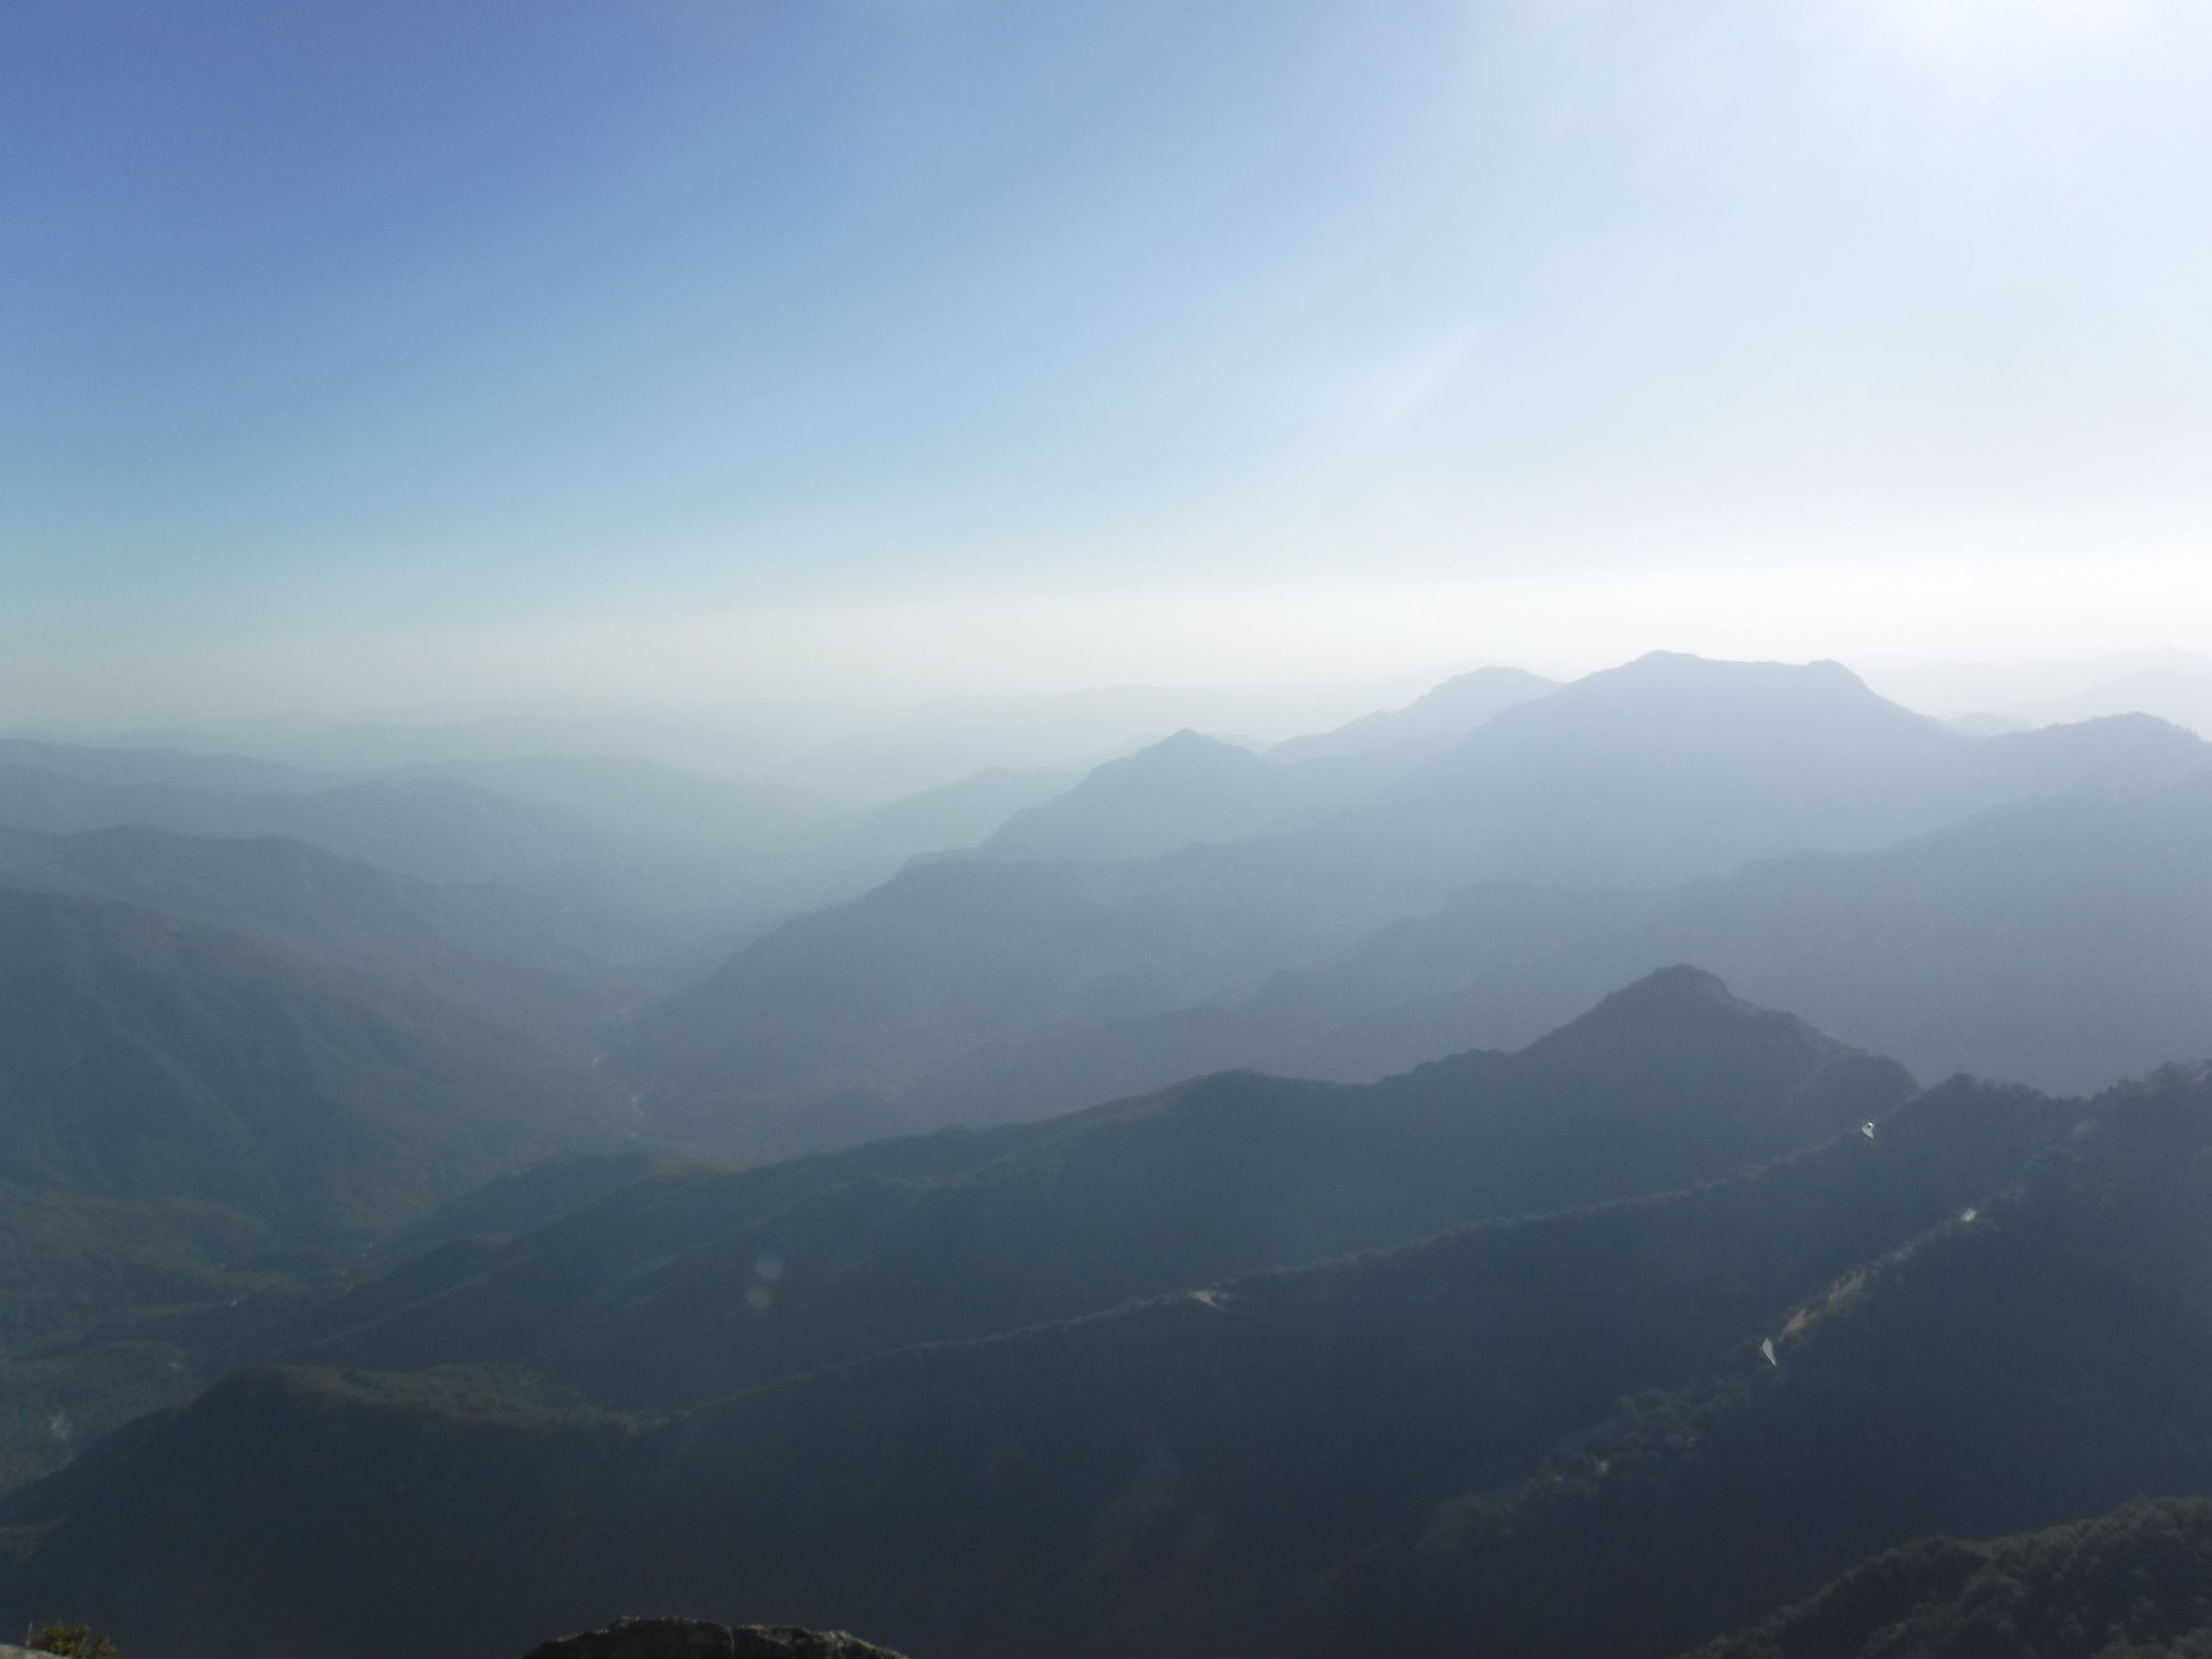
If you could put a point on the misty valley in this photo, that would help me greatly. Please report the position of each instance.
(1698, 1159)
(1155, 829)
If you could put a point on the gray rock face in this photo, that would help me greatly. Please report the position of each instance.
(699, 1639)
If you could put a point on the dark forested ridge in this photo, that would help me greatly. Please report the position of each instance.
(2134, 1584)
(2043, 1357)
(640, 1298)
(1185, 1475)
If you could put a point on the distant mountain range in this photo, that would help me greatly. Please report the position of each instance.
(2056, 943)
(1642, 1317)
(2181, 695)
(1675, 768)
(1670, 770)
(443, 831)
(946, 818)
(1188, 789)
(660, 857)
(1435, 720)
(146, 1057)
(1550, 1435)
(118, 767)
(489, 947)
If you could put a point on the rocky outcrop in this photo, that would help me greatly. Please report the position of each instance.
(699, 1639)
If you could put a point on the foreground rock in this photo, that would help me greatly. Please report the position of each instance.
(701, 1639)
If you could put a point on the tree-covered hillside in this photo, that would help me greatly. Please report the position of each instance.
(1173, 1477)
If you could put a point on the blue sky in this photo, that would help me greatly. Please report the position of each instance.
(363, 350)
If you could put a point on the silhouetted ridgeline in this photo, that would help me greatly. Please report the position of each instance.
(1615, 1344)
(1665, 771)
(2043, 1358)
(1274, 1466)
(1188, 789)
(640, 1299)
(2060, 943)
(2135, 1584)
(1433, 721)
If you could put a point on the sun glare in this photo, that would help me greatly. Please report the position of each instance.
(1997, 24)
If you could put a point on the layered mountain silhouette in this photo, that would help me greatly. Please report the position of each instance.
(2057, 942)
(1187, 789)
(1674, 768)
(651, 808)
(657, 1295)
(489, 946)
(944, 956)
(434, 828)
(162, 768)
(1231, 1468)
(1397, 992)
(1668, 770)
(945, 818)
(1448, 711)
(336, 1283)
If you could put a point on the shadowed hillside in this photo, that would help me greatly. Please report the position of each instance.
(2044, 1356)
(1158, 1479)
(147, 1057)
(2135, 1584)
(190, 1119)
(642, 1299)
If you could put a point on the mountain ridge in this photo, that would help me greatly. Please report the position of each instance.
(1666, 770)
(1146, 1480)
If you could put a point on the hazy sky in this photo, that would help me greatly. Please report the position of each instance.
(369, 351)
